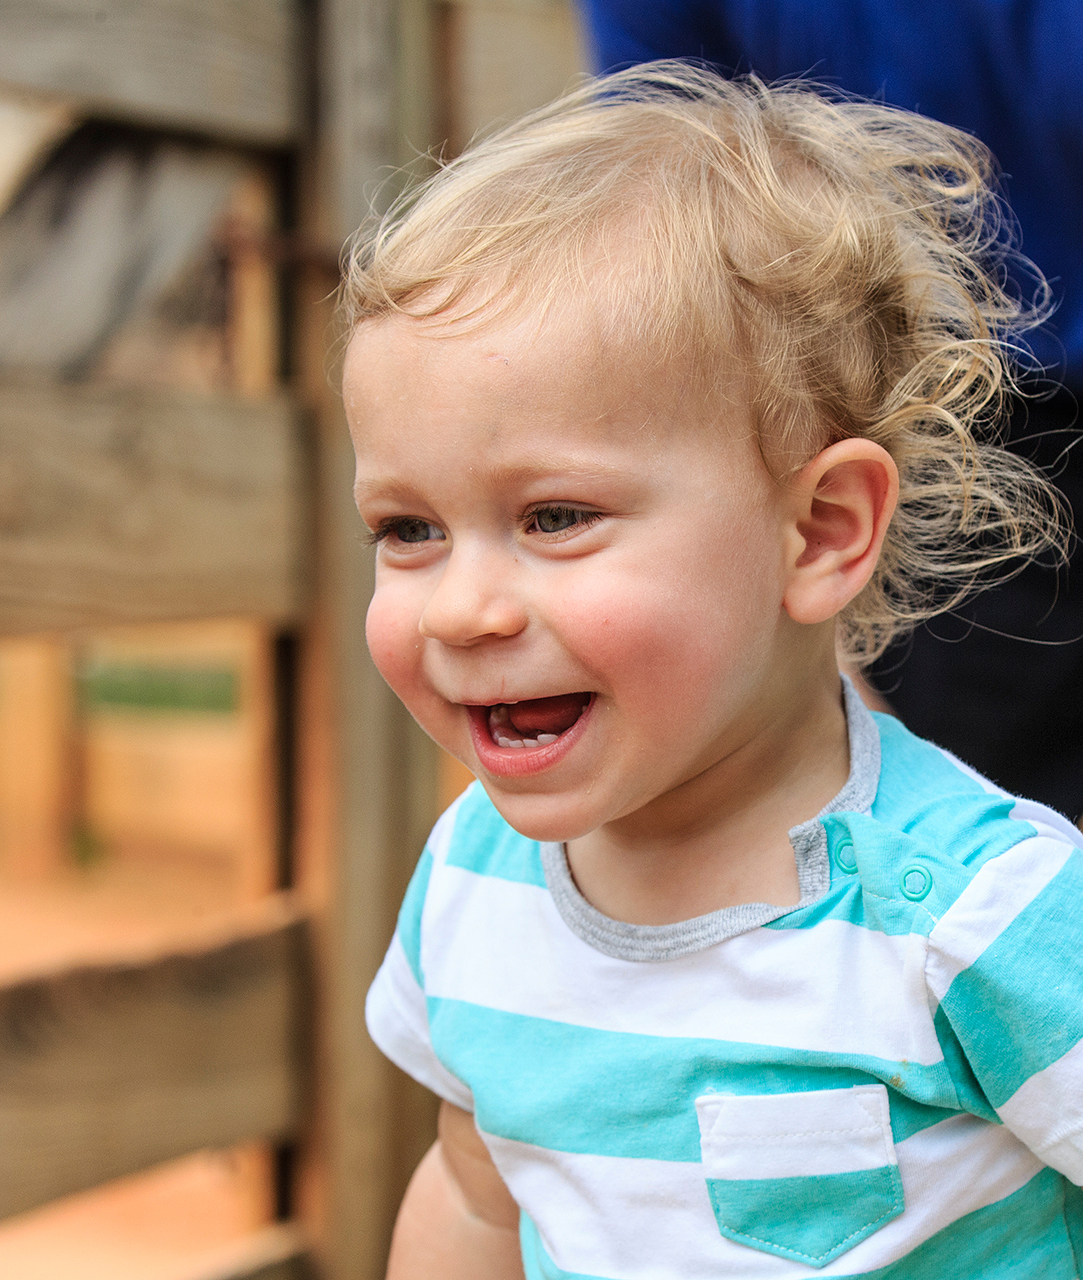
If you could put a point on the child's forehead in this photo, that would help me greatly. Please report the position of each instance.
(530, 409)
(580, 350)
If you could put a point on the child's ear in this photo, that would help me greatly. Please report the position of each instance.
(840, 506)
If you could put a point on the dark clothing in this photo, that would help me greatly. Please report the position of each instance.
(975, 682)
(1009, 71)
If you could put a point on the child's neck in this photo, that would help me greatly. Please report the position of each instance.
(721, 839)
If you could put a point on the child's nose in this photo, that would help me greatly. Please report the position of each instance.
(474, 598)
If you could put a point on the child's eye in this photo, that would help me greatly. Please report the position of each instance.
(561, 519)
(409, 529)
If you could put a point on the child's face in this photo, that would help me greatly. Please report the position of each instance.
(571, 557)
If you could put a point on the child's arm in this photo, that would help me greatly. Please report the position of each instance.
(458, 1220)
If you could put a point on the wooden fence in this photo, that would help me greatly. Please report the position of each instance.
(137, 506)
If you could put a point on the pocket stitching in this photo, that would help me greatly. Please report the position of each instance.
(814, 1257)
(878, 1125)
(797, 1133)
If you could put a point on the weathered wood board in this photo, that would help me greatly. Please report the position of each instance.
(275, 1253)
(506, 57)
(296, 1268)
(229, 67)
(128, 506)
(107, 1070)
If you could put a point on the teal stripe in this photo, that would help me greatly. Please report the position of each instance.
(971, 1096)
(409, 926)
(1073, 1218)
(1022, 1237)
(615, 1093)
(924, 794)
(813, 1219)
(871, 895)
(1017, 1008)
(869, 898)
(483, 842)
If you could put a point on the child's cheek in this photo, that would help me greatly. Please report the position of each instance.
(631, 629)
(391, 629)
(660, 645)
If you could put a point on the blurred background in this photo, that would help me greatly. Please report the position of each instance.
(209, 803)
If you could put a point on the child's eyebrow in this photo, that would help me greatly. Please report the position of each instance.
(540, 470)
(544, 468)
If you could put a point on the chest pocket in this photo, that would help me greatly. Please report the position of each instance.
(802, 1175)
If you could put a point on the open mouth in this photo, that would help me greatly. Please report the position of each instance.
(535, 722)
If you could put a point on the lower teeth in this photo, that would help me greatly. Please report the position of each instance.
(542, 740)
(500, 719)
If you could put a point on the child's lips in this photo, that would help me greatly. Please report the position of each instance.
(527, 736)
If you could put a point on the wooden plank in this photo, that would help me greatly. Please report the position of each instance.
(453, 779)
(227, 67)
(173, 712)
(299, 1268)
(28, 131)
(128, 506)
(107, 1070)
(36, 757)
(368, 801)
(491, 77)
(275, 1253)
(375, 797)
(381, 1122)
(201, 1217)
(254, 340)
(359, 141)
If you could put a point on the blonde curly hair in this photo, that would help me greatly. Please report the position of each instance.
(852, 257)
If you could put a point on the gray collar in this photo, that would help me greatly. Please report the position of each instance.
(809, 839)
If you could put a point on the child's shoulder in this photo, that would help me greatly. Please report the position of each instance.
(931, 828)
(471, 835)
(935, 824)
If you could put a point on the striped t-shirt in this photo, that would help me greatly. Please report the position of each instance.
(885, 1080)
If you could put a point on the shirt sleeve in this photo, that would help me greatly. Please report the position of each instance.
(396, 1011)
(1005, 964)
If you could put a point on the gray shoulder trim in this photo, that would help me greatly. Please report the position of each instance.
(626, 941)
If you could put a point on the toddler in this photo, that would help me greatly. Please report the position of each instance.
(663, 399)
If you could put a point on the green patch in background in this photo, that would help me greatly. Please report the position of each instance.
(87, 849)
(130, 687)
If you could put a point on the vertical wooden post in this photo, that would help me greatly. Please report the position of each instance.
(380, 784)
(35, 756)
(253, 304)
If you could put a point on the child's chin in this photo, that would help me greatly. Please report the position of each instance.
(542, 818)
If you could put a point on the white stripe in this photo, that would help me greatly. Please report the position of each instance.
(652, 1220)
(1047, 1114)
(1000, 890)
(1046, 821)
(836, 988)
(398, 1023)
(439, 841)
(795, 1135)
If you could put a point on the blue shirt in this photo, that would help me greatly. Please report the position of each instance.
(1009, 71)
